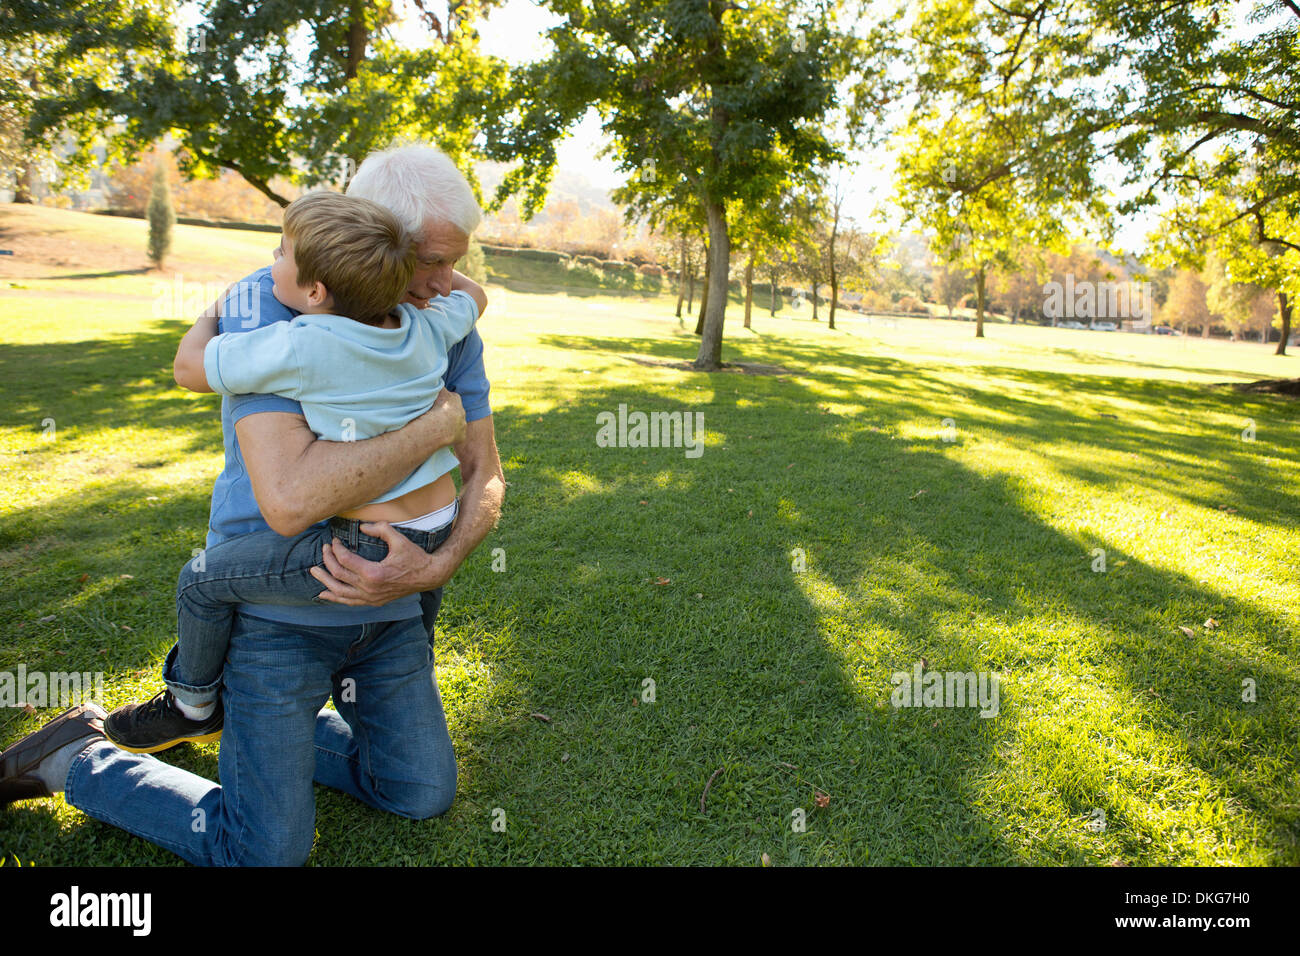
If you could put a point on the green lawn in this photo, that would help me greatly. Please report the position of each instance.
(622, 564)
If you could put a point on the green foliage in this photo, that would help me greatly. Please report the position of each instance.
(239, 93)
(474, 264)
(161, 217)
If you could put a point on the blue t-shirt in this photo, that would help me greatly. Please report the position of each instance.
(354, 381)
(251, 305)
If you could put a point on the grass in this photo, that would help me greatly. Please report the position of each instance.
(975, 554)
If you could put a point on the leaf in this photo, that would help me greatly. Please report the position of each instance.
(83, 579)
(917, 495)
(663, 581)
(1187, 630)
(766, 860)
(541, 717)
(46, 619)
(127, 577)
(823, 799)
(643, 502)
(750, 513)
(28, 709)
(1211, 624)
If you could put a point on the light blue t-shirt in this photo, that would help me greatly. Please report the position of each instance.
(251, 305)
(354, 381)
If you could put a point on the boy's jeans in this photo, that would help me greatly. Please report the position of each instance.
(260, 568)
(387, 745)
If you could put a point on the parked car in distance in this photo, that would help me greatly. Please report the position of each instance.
(1104, 326)
(1071, 325)
(1166, 330)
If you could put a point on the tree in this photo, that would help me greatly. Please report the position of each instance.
(47, 49)
(161, 217)
(980, 103)
(730, 99)
(300, 92)
(1186, 306)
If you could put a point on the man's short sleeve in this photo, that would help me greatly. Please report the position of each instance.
(467, 377)
(251, 304)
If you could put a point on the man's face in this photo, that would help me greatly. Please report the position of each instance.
(438, 249)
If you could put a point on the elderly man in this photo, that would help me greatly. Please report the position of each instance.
(366, 644)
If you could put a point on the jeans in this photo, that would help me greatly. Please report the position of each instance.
(260, 568)
(387, 745)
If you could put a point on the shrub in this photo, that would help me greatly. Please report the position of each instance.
(649, 269)
(161, 217)
(910, 303)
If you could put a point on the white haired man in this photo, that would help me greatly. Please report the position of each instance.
(365, 644)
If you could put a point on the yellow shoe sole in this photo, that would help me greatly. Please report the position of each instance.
(202, 739)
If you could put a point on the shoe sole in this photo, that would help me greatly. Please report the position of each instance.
(168, 745)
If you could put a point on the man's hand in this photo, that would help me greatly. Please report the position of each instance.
(407, 569)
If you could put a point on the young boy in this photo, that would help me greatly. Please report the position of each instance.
(355, 378)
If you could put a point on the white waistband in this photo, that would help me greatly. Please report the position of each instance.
(434, 519)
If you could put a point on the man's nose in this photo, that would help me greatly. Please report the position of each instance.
(440, 281)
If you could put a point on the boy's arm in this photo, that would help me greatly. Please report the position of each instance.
(187, 368)
(464, 283)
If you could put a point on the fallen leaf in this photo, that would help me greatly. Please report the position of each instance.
(45, 620)
(750, 514)
(127, 577)
(699, 595)
(564, 758)
(28, 709)
(789, 466)
(643, 502)
(767, 860)
(83, 579)
(125, 628)
(1187, 630)
(62, 653)
(1211, 624)
(823, 800)
(917, 495)
(663, 581)
(635, 702)
(541, 717)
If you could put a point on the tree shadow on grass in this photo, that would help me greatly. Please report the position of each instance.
(105, 384)
(782, 678)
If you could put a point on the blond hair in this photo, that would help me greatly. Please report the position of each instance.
(356, 248)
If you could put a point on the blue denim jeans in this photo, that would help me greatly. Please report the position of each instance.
(259, 568)
(387, 745)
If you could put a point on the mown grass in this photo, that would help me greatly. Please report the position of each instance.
(975, 554)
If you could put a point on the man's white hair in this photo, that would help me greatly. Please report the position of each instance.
(420, 185)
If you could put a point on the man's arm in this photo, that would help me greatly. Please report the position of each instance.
(299, 480)
(408, 569)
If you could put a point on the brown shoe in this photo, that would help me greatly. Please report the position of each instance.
(17, 782)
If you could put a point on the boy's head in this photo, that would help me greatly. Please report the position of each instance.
(342, 254)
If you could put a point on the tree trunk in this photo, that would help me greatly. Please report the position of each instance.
(979, 303)
(704, 292)
(749, 287)
(772, 308)
(23, 183)
(690, 293)
(835, 293)
(681, 280)
(1284, 306)
(815, 286)
(710, 357)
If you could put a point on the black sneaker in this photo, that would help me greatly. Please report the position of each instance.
(157, 725)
